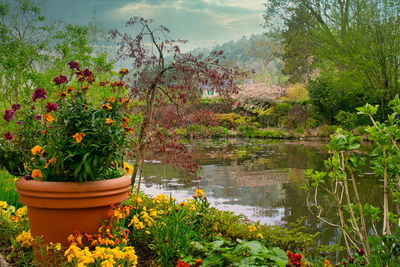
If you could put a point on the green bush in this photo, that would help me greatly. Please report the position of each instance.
(346, 119)
(218, 131)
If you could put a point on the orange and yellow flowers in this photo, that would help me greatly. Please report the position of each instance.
(126, 120)
(111, 99)
(37, 173)
(123, 71)
(48, 117)
(78, 137)
(199, 193)
(52, 160)
(106, 106)
(128, 168)
(109, 121)
(37, 150)
(252, 228)
(24, 239)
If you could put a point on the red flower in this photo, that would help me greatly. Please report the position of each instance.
(51, 106)
(360, 252)
(182, 264)
(60, 79)
(8, 115)
(8, 136)
(73, 65)
(39, 93)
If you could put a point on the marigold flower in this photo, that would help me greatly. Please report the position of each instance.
(78, 137)
(128, 168)
(106, 106)
(111, 99)
(48, 117)
(37, 150)
(37, 173)
(8, 135)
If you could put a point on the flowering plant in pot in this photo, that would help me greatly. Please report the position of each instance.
(69, 152)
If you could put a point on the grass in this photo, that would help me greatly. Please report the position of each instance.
(7, 189)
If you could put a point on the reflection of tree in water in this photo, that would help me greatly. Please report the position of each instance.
(262, 176)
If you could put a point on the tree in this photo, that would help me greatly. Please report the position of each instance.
(352, 43)
(264, 49)
(166, 81)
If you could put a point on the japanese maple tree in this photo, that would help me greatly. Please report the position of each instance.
(166, 84)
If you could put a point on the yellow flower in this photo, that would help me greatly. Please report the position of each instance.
(37, 150)
(78, 137)
(3, 204)
(192, 207)
(252, 228)
(106, 106)
(199, 193)
(111, 99)
(24, 239)
(147, 232)
(37, 173)
(259, 235)
(58, 246)
(48, 117)
(123, 71)
(128, 168)
(109, 121)
(219, 234)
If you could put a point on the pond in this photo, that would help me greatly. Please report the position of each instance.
(261, 179)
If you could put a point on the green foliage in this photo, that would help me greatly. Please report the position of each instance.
(346, 119)
(7, 189)
(230, 120)
(222, 252)
(218, 131)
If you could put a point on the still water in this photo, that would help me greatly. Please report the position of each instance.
(258, 178)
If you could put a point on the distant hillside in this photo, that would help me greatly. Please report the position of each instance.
(249, 53)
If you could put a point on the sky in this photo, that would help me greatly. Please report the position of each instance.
(204, 23)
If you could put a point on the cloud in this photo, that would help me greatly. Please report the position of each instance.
(203, 23)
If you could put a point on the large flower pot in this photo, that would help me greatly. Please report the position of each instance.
(57, 209)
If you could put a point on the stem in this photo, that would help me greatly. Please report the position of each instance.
(386, 223)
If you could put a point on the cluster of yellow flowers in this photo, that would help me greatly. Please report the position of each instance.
(252, 229)
(105, 256)
(147, 218)
(9, 214)
(24, 239)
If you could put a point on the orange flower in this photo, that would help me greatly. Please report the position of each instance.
(327, 264)
(106, 106)
(48, 117)
(44, 132)
(37, 173)
(70, 89)
(78, 137)
(109, 121)
(37, 150)
(123, 125)
(123, 71)
(126, 119)
(125, 100)
(52, 160)
(129, 130)
(111, 99)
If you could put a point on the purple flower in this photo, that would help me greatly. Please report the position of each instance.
(19, 122)
(38, 117)
(87, 73)
(73, 65)
(60, 79)
(51, 106)
(16, 107)
(39, 93)
(8, 136)
(8, 115)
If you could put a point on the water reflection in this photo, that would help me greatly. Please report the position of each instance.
(259, 178)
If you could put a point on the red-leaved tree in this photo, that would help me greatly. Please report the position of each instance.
(166, 83)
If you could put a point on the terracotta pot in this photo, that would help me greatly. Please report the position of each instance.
(57, 209)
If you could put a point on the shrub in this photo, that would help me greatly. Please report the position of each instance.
(218, 131)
